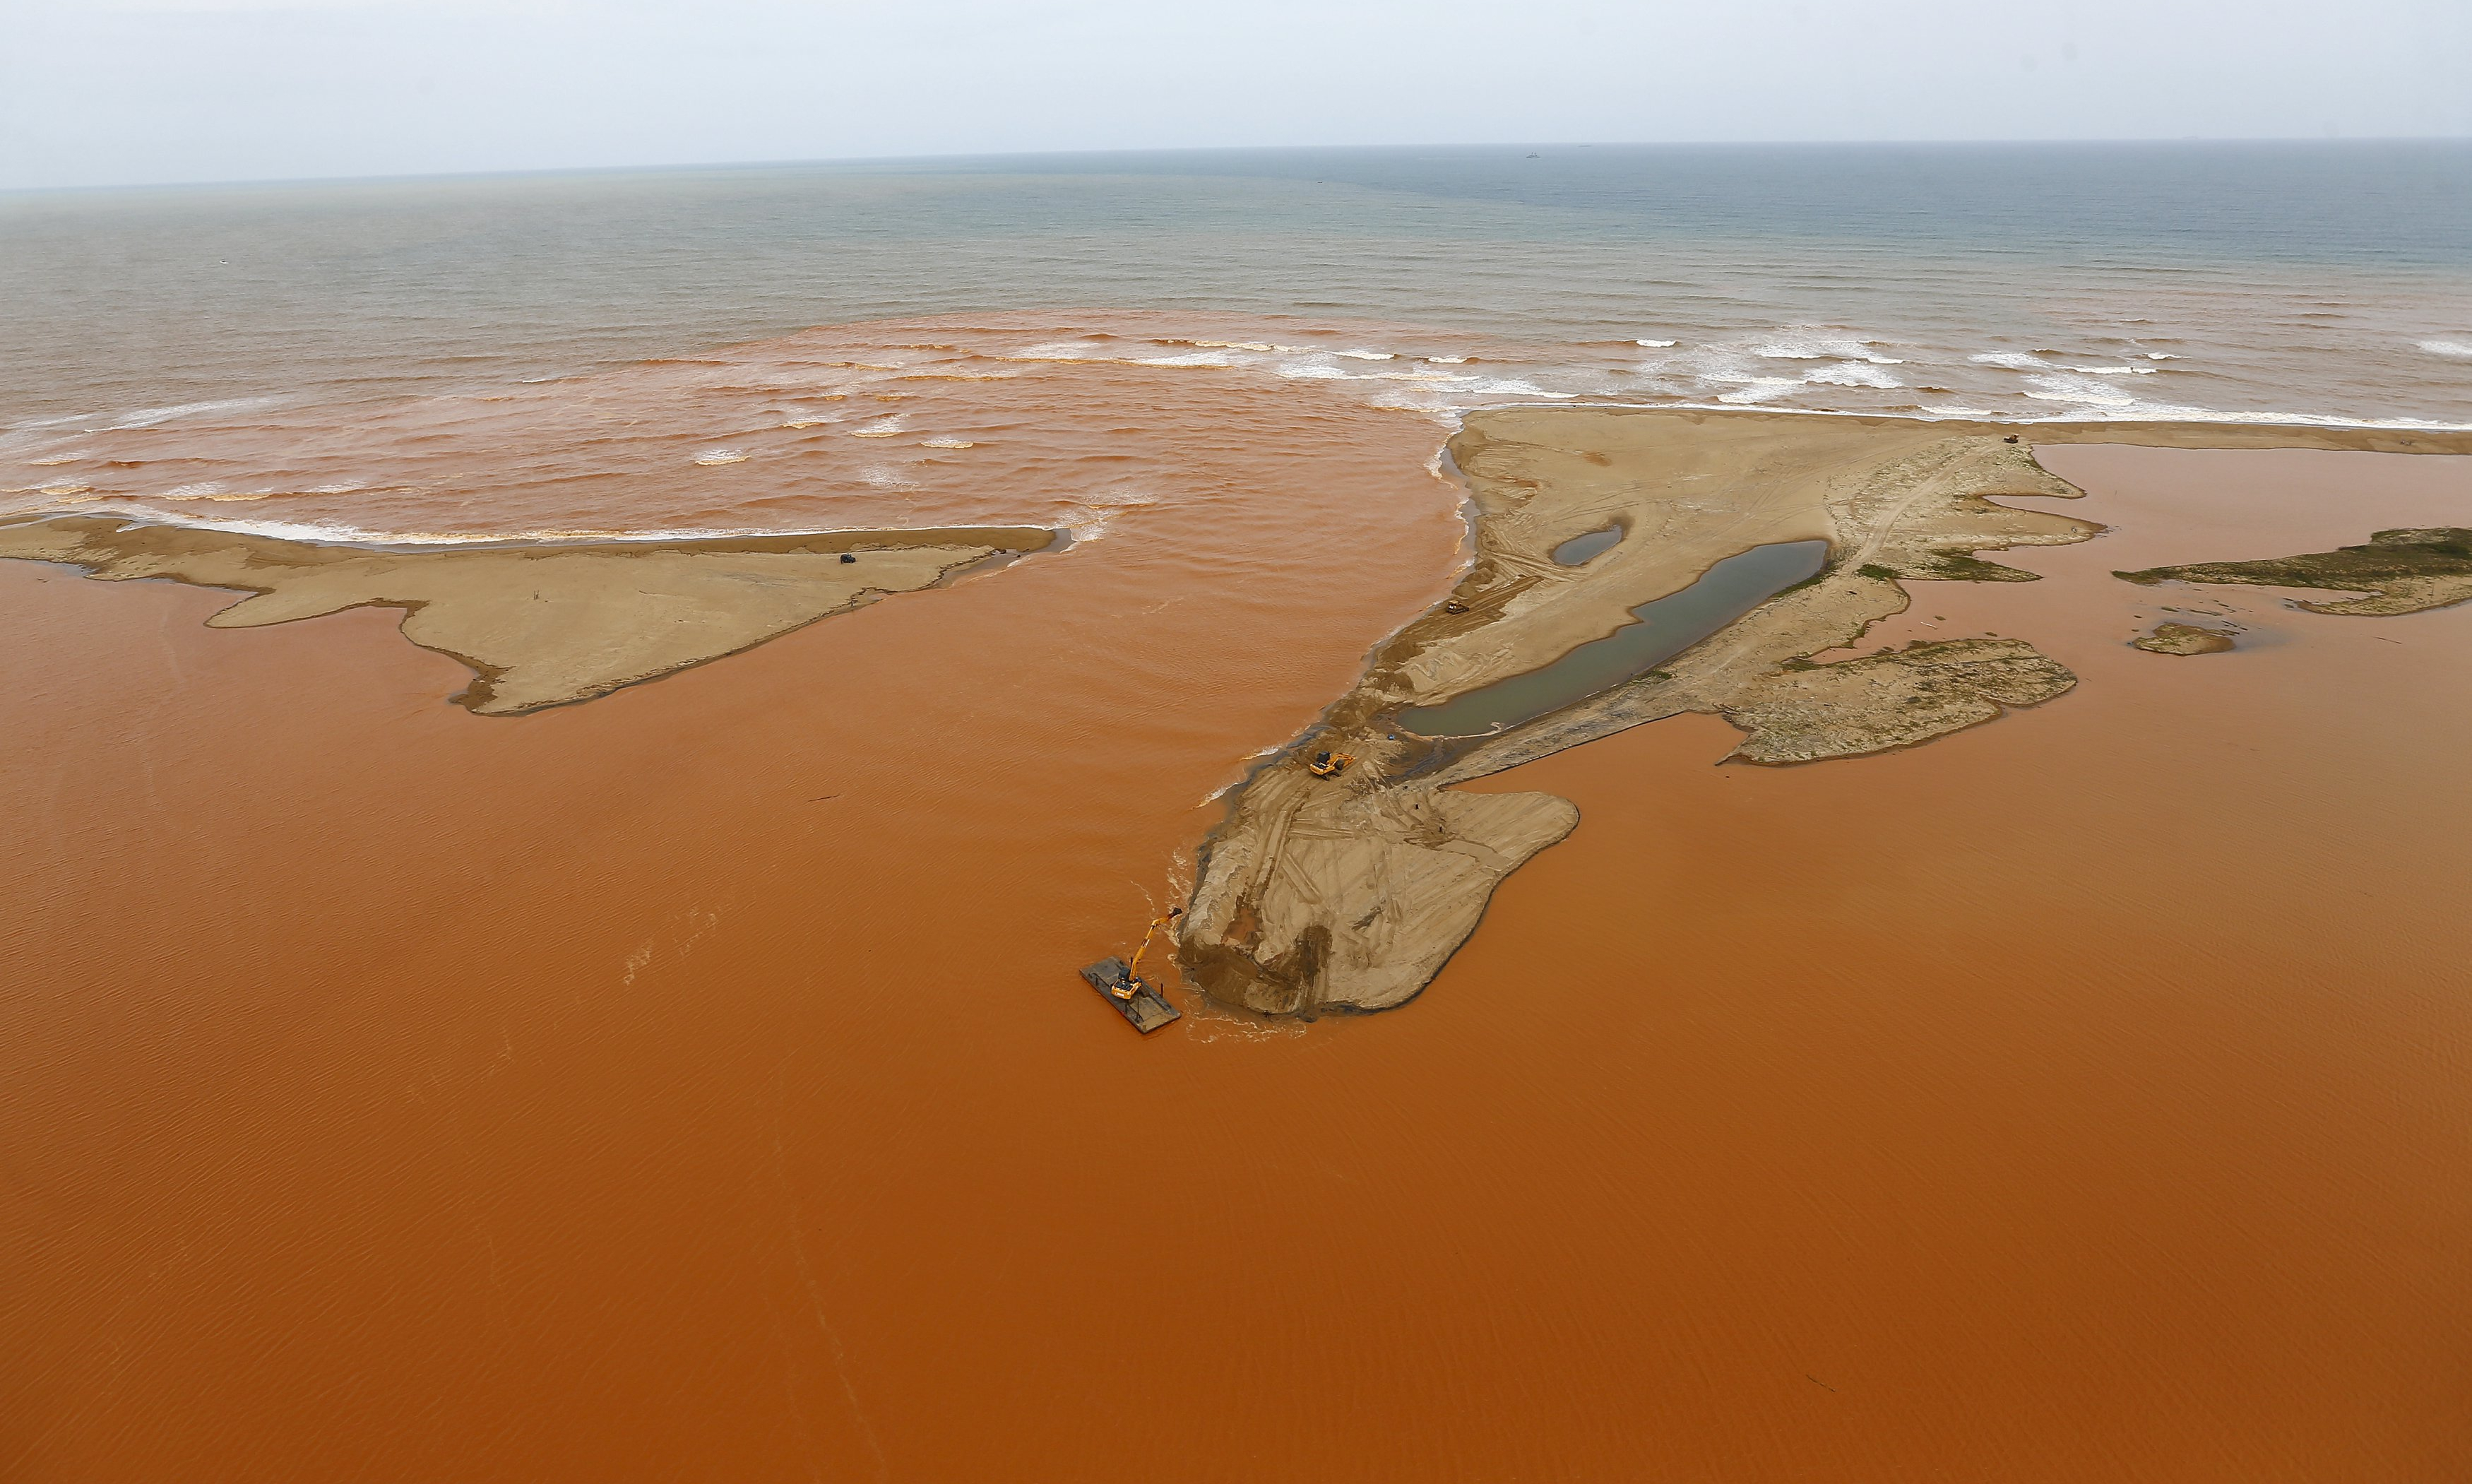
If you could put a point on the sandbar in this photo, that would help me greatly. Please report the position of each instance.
(541, 624)
(2184, 639)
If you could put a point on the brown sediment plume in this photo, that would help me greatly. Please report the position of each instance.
(2401, 571)
(540, 624)
(1324, 894)
(694, 1084)
(2172, 638)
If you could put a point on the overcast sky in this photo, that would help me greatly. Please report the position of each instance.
(126, 91)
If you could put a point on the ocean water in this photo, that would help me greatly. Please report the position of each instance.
(152, 340)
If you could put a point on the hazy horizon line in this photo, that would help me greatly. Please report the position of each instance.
(861, 160)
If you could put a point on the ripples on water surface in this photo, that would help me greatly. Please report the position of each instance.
(185, 345)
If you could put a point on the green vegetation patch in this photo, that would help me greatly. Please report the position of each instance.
(1956, 567)
(2401, 571)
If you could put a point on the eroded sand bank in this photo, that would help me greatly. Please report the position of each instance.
(539, 624)
(1351, 892)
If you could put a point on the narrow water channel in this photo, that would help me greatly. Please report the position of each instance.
(1662, 628)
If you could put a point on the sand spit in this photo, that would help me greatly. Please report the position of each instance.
(541, 625)
(2170, 639)
(1351, 893)
(2407, 571)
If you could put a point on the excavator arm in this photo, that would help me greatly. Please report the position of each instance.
(1133, 971)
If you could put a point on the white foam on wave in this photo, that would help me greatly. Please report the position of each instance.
(327, 533)
(2011, 360)
(1062, 350)
(1853, 373)
(45, 424)
(1513, 386)
(946, 443)
(1751, 390)
(2452, 349)
(1448, 360)
(1822, 348)
(714, 458)
(887, 428)
(213, 491)
(1367, 355)
(151, 416)
(36, 431)
(2115, 371)
(1656, 345)
(2059, 388)
(1190, 358)
(1093, 515)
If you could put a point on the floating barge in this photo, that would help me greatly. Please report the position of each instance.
(1145, 1008)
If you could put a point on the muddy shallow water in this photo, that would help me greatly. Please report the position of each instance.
(695, 1083)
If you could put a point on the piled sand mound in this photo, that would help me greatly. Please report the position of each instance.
(1348, 894)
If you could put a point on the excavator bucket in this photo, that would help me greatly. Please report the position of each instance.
(1146, 1009)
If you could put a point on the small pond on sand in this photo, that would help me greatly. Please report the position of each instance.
(1662, 628)
(1585, 547)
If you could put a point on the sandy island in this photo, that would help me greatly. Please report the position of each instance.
(2185, 639)
(1350, 893)
(541, 624)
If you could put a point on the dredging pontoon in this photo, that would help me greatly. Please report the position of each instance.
(1140, 1000)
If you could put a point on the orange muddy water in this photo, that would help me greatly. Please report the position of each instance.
(694, 1084)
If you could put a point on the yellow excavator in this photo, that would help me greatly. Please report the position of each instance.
(1132, 984)
(1329, 765)
(1137, 1000)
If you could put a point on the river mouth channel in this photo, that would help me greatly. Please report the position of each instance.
(1661, 628)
